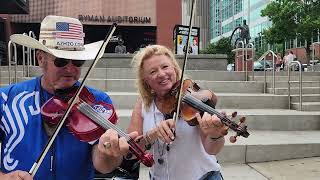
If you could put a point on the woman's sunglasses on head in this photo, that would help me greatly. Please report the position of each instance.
(61, 62)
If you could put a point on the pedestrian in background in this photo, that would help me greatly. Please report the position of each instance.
(120, 48)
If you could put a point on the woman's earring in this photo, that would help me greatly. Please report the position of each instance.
(152, 92)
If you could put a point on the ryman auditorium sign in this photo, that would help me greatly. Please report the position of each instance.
(117, 19)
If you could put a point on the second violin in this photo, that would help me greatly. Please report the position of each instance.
(89, 119)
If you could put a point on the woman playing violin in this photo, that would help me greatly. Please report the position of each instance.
(180, 151)
(24, 132)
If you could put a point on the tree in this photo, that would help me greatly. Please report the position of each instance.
(222, 46)
(290, 18)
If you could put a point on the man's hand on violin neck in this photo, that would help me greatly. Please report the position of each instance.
(16, 175)
(165, 130)
(211, 125)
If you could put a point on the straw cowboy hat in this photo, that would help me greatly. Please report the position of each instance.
(62, 37)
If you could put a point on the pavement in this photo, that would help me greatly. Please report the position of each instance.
(293, 169)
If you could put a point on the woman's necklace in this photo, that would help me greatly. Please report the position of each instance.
(160, 148)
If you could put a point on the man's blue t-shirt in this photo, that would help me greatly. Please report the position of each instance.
(23, 136)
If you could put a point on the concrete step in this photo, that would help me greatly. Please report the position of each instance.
(126, 100)
(258, 119)
(285, 73)
(5, 80)
(5, 68)
(295, 90)
(304, 168)
(129, 85)
(232, 86)
(305, 98)
(127, 73)
(306, 106)
(284, 84)
(262, 146)
(285, 78)
(201, 61)
(5, 73)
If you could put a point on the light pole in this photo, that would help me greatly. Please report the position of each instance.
(260, 40)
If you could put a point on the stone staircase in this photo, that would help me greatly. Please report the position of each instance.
(277, 133)
(310, 88)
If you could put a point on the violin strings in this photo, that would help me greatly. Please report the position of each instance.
(204, 107)
(96, 117)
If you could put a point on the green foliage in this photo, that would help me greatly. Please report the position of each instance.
(282, 13)
(222, 46)
(291, 17)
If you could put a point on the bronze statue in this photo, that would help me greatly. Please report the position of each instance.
(244, 33)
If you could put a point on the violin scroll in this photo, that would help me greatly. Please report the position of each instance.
(241, 125)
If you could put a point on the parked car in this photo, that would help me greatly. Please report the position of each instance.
(268, 63)
(259, 65)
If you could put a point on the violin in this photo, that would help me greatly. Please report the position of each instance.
(88, 119)
(196, 100)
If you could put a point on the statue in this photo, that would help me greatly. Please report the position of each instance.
(244, 33)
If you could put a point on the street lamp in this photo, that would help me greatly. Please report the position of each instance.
(260, 39)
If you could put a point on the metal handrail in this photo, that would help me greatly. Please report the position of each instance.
(265, 73)
(250, 45)
(31, 34)
(313, 52)
(24, 58)
(9, 61)
(237, 46)
(300, 83)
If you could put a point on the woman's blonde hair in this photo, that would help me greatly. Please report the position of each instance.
(137, 63)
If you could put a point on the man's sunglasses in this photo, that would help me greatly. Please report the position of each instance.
(61, 62)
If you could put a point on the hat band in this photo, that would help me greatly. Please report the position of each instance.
(67, 48)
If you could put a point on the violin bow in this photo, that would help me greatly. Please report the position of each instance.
(179, 95)
(106, 40)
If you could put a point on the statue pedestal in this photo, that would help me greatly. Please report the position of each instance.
(241, 62)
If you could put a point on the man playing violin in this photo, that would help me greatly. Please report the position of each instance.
(180, 151)
(24, 132)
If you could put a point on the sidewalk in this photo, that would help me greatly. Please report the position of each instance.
(295, 169)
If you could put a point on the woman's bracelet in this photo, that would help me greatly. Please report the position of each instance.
(215, 138)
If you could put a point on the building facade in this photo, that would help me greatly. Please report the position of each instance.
(201, 19)
(139, 22)
(226, 15)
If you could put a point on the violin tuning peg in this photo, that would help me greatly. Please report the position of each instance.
(233, 139)
(234, 114)
(242, 119)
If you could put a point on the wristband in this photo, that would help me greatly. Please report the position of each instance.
(215, 138)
